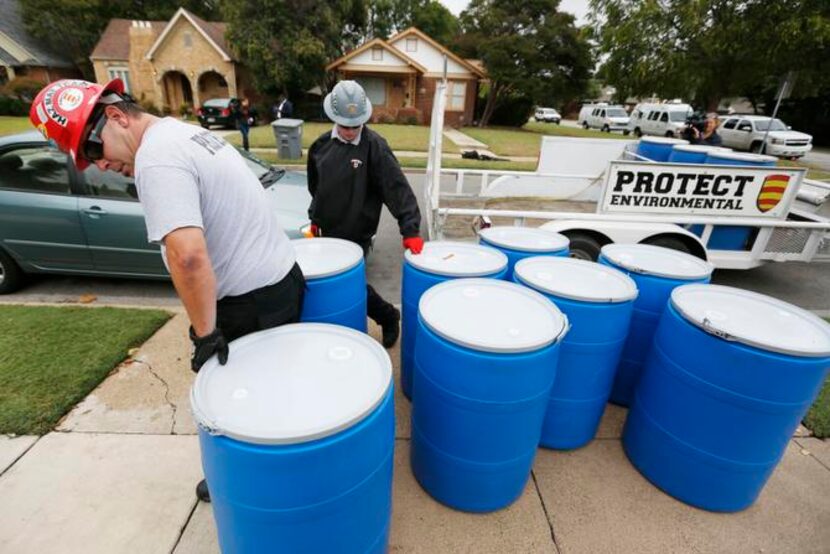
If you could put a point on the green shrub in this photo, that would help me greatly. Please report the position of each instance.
(13, 106)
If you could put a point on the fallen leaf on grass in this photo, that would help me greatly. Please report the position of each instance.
(87, 298)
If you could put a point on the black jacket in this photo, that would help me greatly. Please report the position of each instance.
(349, 184)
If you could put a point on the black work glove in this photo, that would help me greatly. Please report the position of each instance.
(207, 346)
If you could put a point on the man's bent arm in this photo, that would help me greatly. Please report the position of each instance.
(193, 277)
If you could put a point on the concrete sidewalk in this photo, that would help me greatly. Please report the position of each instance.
(117, 476)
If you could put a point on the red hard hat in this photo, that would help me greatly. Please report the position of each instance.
(62, 110)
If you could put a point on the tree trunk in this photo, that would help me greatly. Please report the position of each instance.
(492, 100)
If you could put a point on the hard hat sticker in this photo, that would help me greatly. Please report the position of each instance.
(70, 98)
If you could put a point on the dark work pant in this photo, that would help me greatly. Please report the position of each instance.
(262, 308)
(378, 309)
(244, 129)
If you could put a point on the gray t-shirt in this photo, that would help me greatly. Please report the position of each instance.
(189, 177)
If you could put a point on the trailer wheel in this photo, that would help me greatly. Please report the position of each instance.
(672, 243)
(584, 247)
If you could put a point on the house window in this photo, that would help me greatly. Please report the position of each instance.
(188, 40)
(458, 90)
(120, 73)
(375, 88)
(377, 54)
(412, 45)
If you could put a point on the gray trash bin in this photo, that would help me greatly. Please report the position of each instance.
(289, 135)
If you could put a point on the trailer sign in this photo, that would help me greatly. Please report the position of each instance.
(699, 189)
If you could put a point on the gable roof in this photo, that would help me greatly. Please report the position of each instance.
(114, 43)
(376, 42)
(23, 49)
(213, 32)
(420, 34)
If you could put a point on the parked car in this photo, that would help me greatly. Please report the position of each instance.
(56, 219)
(547, 115)
(217, 111)
(746, 132)
(605, 118)
(664, 120)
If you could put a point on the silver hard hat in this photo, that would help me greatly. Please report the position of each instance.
(347, 104)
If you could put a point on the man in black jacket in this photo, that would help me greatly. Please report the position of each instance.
(352, 173)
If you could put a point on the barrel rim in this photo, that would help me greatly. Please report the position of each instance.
(628, 281)
(701, 148)
(543, 302)
(486, 235)
(744, 156)
(662, 140)
(209, 424)
(705, 268)
(352, 248)
(720, 330)
(415, 260)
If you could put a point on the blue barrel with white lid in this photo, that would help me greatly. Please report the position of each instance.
(657, 271)
(740, 158)
(730, 377)
(518, 243)
(598, 301)
(657, 149)
(438, 262)
(693, 153)
(335, 275)
(297, 434)
(485, 358)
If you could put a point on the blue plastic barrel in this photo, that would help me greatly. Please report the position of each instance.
(657, 149)
(730, 376)
(657, 271)
(693, 153)
(486, 359)
(519, 243)
(440, 261)
(732, 237)
(297, 433)
(598, 301)
(335, 282)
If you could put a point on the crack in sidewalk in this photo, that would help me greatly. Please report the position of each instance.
(167, 399)
(544, 509)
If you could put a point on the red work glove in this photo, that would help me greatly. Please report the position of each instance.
(414, 244)
(314, 231)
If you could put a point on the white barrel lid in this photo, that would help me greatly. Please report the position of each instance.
(490, 315)
(701, 148)
(744, 157)
(292, 384)
(323, 257)
(457, 259)
(576, 279)
(656, 260)
(525, 239)
(754, 319)
(663, 140)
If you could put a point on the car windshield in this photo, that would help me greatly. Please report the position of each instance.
(217, 103)
(616, 112)
(678, 116)
(773, 124)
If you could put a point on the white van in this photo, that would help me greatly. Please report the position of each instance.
(606, 118)
(665, 120)
(585, 111)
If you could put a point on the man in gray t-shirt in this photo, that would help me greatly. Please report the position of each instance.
(231, 263)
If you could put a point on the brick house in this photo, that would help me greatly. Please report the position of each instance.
(170, 64)
(400, 74)
(23, 56)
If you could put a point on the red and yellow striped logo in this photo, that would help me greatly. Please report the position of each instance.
(772, 191)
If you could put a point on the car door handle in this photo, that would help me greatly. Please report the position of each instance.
(95, 210)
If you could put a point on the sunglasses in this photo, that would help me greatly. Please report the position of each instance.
(93, 148)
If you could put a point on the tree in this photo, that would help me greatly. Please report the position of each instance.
(75, 26)
(387, 17)
(287, 43)
(710, 49)
(529, 48)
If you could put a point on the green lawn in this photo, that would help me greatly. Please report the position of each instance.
(509, 141)
(812, 172)
(51, 358)
(418, 163)
(10, 125)
(818, 418)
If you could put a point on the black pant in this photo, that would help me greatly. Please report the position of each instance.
(262, 308)
(378, 309)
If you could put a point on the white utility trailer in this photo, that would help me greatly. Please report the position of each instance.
(626, 199)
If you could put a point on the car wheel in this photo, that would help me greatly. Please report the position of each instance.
(758, 147)
(585, 125)
(672, 243)
(606, 129)
(669, 134)
(205, 125)
(11, 277)
(626, 132)
(584, 247)
(637, 132)
(558, 121)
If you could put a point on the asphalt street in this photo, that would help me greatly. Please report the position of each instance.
(806, 285)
